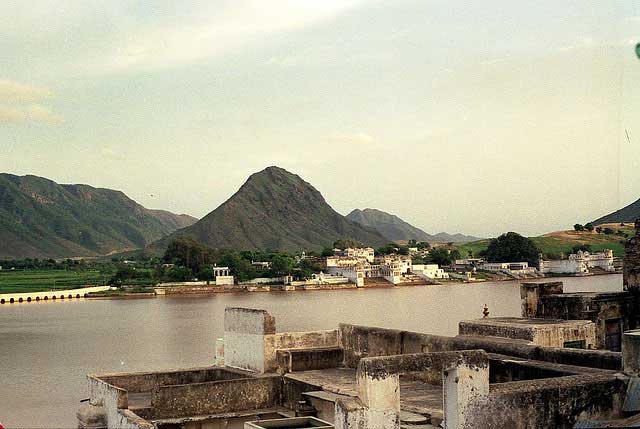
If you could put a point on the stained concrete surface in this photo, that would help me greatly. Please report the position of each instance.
(415, 396)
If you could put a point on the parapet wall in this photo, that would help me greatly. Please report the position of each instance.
(296, 340)
(363, 341)
(216, 397)
(146, 381)
(549, 403)
(251, 340)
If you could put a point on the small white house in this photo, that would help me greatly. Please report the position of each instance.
(433, 271)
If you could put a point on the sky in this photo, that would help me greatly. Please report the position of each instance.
(473, 117)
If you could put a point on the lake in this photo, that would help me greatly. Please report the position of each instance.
(47, 348)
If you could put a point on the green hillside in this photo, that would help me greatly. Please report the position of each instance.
(559, 242)
(43, 219)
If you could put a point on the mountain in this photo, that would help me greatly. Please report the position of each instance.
(275, 209)
(40, 218)
(395, 229)
(627, 214)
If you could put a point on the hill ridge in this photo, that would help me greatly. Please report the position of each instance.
(395, 229)
(278, 210)
(44, 219)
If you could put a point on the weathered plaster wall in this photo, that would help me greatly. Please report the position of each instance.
(127, 419)
(251, 340)
(363, 341)
(296, 340)
(244, 337)
(530, 294)
(110, 397)
(631, 274)
(308, 359)
(541, 334)
(557, 336)
(147, 381)
(549, 403)
(598, 308)
(216, 397)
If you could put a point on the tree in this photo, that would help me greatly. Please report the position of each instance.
(608, 231)
(512, 247)
(403, 250)
(423, 245)
(386, 250)
(345, 243)
(309, 267)
(187, 252)
(599, 229)
(442, 256)
(417, 260)
(282, 265)
(179, 274)
(578, 227)
(581, 247)
(327, 251)
(589, 227)
(239, 267)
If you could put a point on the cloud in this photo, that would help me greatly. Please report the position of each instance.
(11, 91)
(29, 113)
(18, 104)
(211, 31)
(353, 139)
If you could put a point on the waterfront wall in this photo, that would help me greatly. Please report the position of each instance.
(9, 298)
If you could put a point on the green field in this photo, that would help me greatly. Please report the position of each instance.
(39, 280)
(563, 241)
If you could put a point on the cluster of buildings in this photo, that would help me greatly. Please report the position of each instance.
(581, 262)
(358, 264)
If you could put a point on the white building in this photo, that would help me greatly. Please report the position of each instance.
(580, 263)
(366, 253)
(222, 276)
(403, 261)
(508, 267)
(265, 265)
(358, 267)
(432, 271)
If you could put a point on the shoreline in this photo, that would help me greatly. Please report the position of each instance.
(185, 291)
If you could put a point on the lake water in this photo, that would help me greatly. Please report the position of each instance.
(46, 349)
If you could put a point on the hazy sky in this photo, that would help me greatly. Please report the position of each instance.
(474, 117)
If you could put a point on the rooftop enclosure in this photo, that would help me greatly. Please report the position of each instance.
(611, 312)
(368, 377)
(541, 332)
(251, 340)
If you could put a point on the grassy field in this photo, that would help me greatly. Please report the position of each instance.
(559, 242)
(39, 280)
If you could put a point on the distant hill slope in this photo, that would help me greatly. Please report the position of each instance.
(557, 242)
(395, 229)
(627, 214)
(277, 210)
(41, 218)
